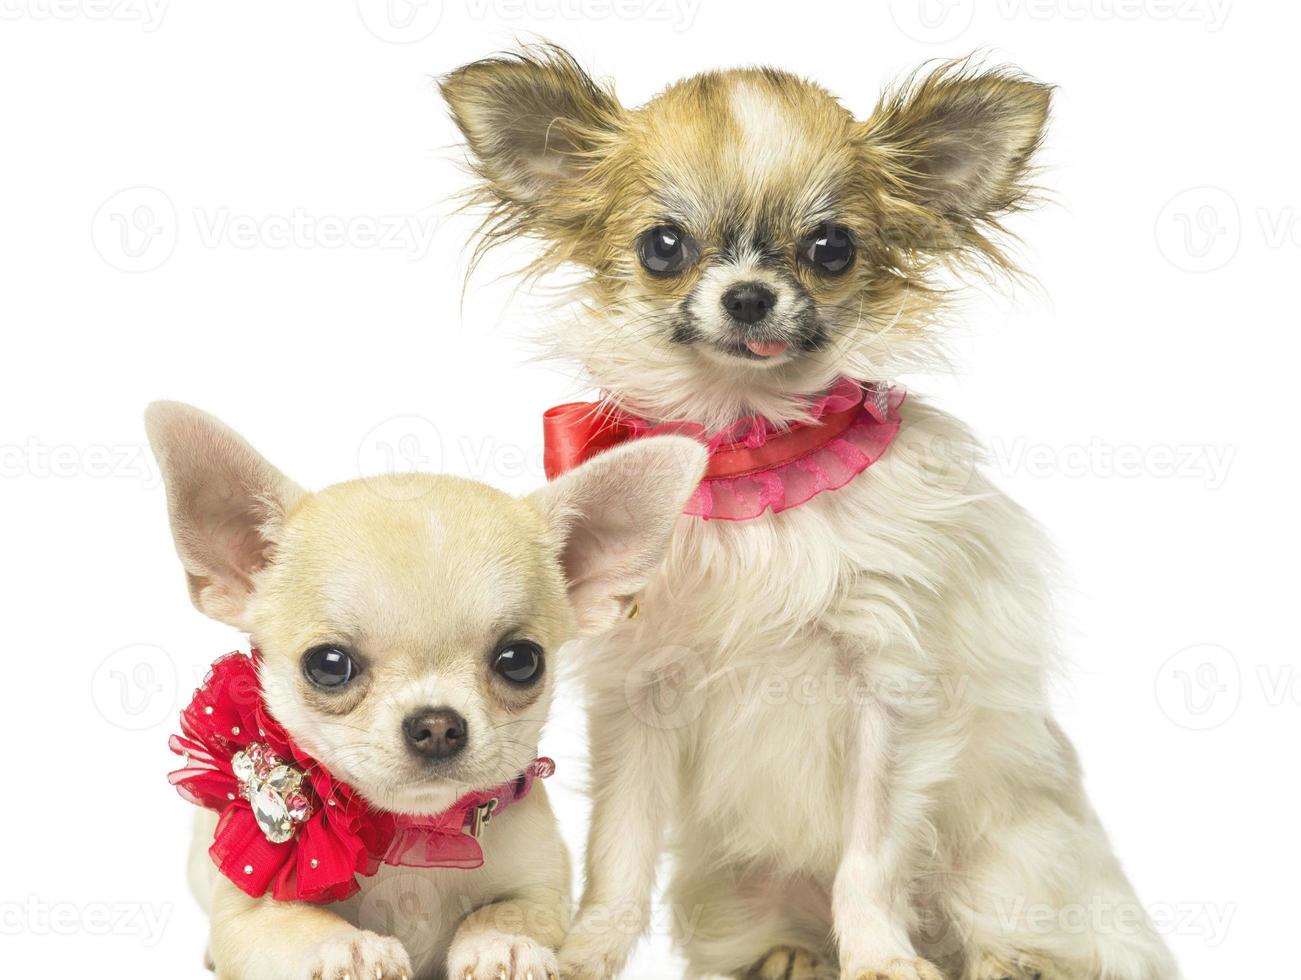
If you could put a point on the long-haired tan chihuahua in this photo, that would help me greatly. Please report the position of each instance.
(408, 629)
(866, 780)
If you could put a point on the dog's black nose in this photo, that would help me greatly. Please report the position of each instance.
(436, 733)
(749, 302)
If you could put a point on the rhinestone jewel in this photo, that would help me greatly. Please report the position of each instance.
(272, 815)
(299, 806)
(274, 791)
(242, 765)
(283, 779)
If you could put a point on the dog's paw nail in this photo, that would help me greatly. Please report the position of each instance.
(789, 963)
(902, 969)
(500, 956)
(361, 955)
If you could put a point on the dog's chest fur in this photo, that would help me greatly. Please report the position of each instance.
(763, 773)
(423, 907)
(758, 638)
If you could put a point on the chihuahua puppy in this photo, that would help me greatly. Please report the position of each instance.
(908, 808)
(407, 629)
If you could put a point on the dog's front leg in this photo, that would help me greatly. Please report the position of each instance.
(262, 939)
(514, 939)
(635, 789)
(870, 896)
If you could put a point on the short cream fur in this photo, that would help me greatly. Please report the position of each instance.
(421, 576)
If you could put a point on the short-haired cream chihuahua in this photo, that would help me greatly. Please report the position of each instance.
(863, 778)
(407, 630)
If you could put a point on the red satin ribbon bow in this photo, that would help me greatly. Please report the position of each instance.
(753, 465)
(336, 834)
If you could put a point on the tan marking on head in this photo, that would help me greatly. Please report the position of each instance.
(757, 158)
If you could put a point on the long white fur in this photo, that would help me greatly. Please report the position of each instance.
(835, 718)
(934, 798)
(939, 792)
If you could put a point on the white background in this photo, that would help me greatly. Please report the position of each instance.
(1139, 402)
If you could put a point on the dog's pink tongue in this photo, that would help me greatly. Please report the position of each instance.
(766, 348)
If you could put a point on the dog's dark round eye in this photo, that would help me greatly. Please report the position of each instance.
(665, 250)
(519, 662)
(329, 667)
(827, 248)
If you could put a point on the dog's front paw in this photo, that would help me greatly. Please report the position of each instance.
(997, 968)
(900, 968)
(357, 955)
(788, 963)
(500, 956)
(592, 955)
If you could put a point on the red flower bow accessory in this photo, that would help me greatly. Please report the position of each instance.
(287, 826)
(754, 465)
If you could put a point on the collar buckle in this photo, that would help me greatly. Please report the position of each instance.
(481, 816)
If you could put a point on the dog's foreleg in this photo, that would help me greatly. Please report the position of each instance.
(262, 939)
(514, 939)
(635, 788)
(870, 896)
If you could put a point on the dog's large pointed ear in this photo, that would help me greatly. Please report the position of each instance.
(226, 503)
(959, 141)
(613, 517)
(535, 121)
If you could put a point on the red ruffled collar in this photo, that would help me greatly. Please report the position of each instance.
(754, 465)
(290, 828)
